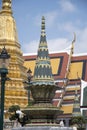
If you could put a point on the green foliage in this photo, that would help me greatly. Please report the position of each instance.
(12, 117)
(12, 110)
(31, 102)
(79, 120)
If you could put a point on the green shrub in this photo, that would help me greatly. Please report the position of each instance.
(80, 121)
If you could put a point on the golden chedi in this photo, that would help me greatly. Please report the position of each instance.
(15, 94)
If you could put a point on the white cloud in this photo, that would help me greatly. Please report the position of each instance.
(54, 45)
(50, 18)
(81, 41)
(81, 36)
(67, 6)
(60, 44)
(30, 47)
(67, 26)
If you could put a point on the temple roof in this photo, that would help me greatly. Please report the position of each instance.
(59, 63)
(43, 70)
(65, 67)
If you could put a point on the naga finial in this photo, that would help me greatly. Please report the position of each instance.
(74, 38)
(72, 47)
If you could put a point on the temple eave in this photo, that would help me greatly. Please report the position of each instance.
(43, 83)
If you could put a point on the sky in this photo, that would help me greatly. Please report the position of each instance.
(63, 18)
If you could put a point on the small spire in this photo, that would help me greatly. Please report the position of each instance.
(43, 26)
(43, 69)
(6, 4)
(43, 35)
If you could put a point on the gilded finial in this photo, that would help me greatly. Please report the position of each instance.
(43, 34)
(74, 38)
(6, 4)
(72, 48)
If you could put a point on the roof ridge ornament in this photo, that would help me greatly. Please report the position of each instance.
(70, 56)
(72, 47)
(74, 37)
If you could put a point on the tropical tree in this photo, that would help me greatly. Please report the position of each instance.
(16, 114)
(12, 110)
(80, 121)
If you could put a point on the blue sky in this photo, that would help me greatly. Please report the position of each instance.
(62, 18)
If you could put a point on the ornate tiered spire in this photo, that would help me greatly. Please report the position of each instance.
(6, 6)
(43, 70)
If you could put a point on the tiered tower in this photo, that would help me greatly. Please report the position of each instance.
(67, 70)
(15, 93)
(42, 86)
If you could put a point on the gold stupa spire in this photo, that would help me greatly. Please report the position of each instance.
(6, 6)
(17, 72)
